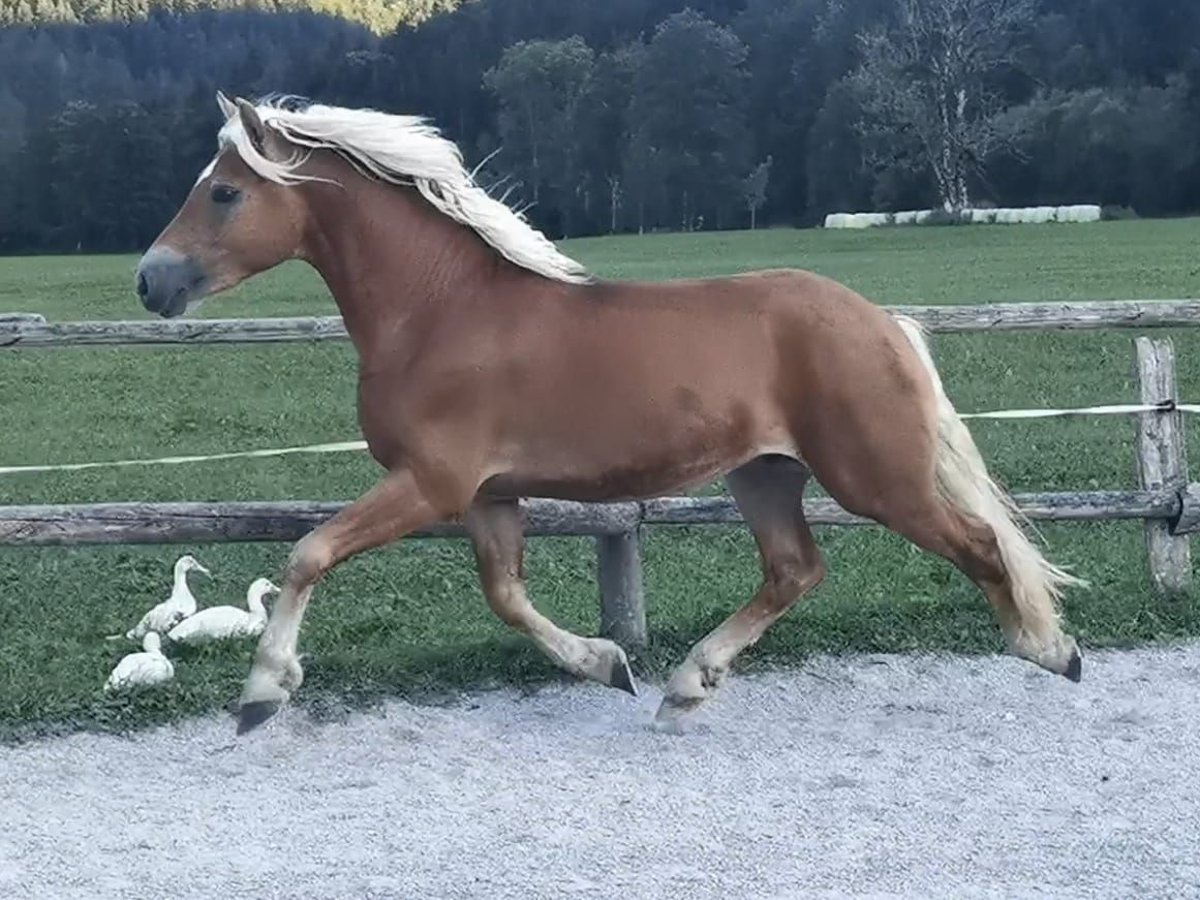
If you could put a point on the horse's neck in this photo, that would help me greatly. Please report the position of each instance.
(390, 259)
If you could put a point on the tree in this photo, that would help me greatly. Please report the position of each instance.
(1133, 146)
(689, 139)
(539, 85)
(784, 88)
(837, 179)
(754, 189)
(603, 127)
(932, 79)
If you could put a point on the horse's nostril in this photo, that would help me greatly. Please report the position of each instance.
(142, 288)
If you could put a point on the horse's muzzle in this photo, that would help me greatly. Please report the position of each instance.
(166, 280)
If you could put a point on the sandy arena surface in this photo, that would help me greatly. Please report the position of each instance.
(873, 776)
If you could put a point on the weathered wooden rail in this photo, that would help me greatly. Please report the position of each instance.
(1166, 501)
(616, 527)
(10, 318)
(939, 319)
(180, 523)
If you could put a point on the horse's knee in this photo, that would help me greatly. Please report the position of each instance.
(509, 607)
(505, 596)
(790, 576)
(311, 558)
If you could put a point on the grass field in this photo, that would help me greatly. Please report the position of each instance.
(411, 618)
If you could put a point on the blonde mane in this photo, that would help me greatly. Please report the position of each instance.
(402, 150)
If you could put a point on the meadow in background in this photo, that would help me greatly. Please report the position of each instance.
(410, 618)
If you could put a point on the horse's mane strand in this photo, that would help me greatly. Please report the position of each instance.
(401, 150)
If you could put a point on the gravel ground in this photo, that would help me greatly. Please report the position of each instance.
(873, 776)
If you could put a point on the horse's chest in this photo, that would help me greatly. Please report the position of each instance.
(385, 419)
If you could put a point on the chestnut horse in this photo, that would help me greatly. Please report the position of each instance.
(492, 367)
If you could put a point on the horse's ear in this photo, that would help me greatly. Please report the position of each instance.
(228, 109)
(255, 130)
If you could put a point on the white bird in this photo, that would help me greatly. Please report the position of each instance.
(175, 608)
(222, 622)
(147, 667)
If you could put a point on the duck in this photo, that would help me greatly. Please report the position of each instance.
(224, 622)
(173, 610)
(145, 668)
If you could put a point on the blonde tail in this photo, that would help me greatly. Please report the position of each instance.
(963, 480)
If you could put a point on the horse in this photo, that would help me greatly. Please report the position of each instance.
(491, 367)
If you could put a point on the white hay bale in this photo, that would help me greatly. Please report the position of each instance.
(982, 216)
(845, 220)
(1089, 212)
(907, 217)
(923, 216)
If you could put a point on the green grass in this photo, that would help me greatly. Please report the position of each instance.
(410, 618)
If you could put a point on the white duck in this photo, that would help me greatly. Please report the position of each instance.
(223, 622)
(175, 608)
(147, 667)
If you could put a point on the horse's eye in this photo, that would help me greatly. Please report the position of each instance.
(223, 193)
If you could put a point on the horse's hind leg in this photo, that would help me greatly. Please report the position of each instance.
(1032, 629)
(769, 493)
(499, 544)
(888, 444)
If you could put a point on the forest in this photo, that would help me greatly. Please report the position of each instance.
(623, 115)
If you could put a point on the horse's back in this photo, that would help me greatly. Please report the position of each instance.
(789, 291)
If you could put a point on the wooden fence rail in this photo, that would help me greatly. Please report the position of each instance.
(616, 526)
(995, 317)
(290, 520)
(1167, 502)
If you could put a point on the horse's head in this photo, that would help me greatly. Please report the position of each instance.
(233, 224)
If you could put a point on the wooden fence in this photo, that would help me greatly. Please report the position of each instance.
(1167, 503)
(27, 330)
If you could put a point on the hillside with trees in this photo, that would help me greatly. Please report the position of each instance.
(380, 16)
(627, 115)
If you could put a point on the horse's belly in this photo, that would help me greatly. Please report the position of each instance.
(631, 464)
(606, 485)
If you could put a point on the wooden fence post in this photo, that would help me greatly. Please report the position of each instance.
(622, 602)
(1162, 462)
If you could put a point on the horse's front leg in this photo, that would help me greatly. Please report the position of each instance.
(394, 507)
(499, 542)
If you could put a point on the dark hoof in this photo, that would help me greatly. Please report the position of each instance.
(622, 678)
(1075, 667)
(254, 714)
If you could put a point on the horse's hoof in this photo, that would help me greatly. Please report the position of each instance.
(674, 712)
(621, 677)
(1074, 667)
(251, 715)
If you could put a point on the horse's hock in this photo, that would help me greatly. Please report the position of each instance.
(1166, 501)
